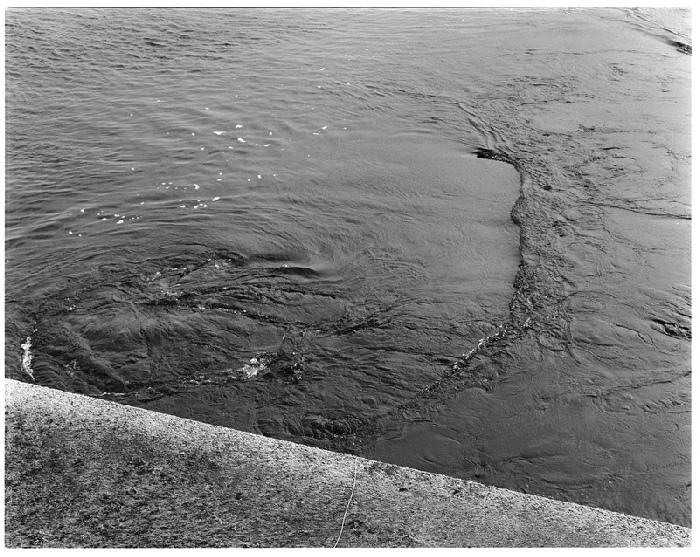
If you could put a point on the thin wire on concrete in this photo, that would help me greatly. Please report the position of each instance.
(354, 479)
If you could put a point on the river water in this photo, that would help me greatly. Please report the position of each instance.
(457, 240)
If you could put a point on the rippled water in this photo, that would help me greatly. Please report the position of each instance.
(453, 239)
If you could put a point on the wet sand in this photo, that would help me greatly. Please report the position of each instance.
(82, 472)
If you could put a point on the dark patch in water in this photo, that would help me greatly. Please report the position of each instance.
(682, 47)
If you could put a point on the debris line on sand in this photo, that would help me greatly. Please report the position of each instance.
(352, 493)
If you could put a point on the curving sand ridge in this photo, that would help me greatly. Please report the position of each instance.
(82, 472)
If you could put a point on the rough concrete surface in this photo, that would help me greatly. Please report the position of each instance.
(82, 472)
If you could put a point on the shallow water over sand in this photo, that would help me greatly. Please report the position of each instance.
(457, 239)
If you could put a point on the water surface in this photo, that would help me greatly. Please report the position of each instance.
(452, 239)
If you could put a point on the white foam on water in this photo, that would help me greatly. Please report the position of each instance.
(27, 358)
(241, 140)
(239, 126)
(255, 366)
(220, 133)
(216, 199)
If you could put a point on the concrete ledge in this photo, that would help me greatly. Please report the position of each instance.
(81, 472)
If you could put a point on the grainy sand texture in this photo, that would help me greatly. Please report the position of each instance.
(83, 472)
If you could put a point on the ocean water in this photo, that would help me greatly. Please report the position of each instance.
(457, 240)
